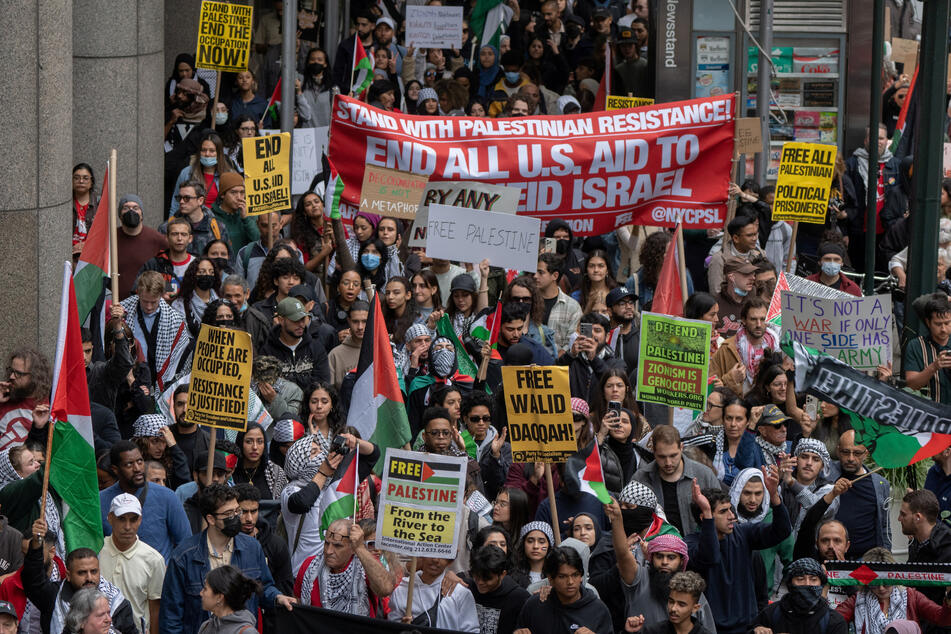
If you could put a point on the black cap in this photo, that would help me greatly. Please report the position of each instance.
(617, 294)
(626, 36)
(303, 292)
(463, 282)
(574, 19)
(201, 461)
(601, 12)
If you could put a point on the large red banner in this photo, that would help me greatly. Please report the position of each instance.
(654, 165)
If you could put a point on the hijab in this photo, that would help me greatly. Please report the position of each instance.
(487, 75)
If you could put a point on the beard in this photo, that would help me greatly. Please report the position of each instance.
(20, 393)
(747, 515)
(659, 584)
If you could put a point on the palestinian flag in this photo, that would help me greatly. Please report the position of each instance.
(273, 105)
(377, 410)
(333, 193)
(466, 364)
(72, 461)
(585, 465)
(338, 500)
(774, 314)
(874, 408)
(231, 460)
(93, 270)
(904, 136)
(668, 296)
(860, 573)
(488, 21)
(362, 74)
(488, 330)
(658, 527)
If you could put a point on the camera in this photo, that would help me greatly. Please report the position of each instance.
(339, 445)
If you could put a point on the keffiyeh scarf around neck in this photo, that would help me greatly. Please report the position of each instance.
(344, 591)
(171, 339)
(8, 474)
(770, 451)
(869, 618)
(751, 356)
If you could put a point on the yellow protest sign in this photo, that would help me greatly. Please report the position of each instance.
(267, 173)
(538, 402)
(616, 102)
(224, 36)
(221, 379)
(804, 182)
(420, 502)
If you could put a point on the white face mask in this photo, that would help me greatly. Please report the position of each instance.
(221, 118)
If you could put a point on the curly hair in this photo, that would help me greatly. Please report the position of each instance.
(652, 256)
(189, 283)
(303, 233)
(210, 316)
(265, 283)
(335, 419)
(537, 313)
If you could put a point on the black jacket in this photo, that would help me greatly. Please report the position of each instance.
(42, 592)
(278, 557)
(780, 617)
(936, 550)
(667, 628)
(552, 617)
(105, 378)
(305, 365)
(507, 601)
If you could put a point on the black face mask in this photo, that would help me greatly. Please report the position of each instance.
(804, 598)
(637, 519)
(131, 219)
(315, 68)
(231, 526)
(225, 323)
(562, 246)
(222, 263)
(204, 282)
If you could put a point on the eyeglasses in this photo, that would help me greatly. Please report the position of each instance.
(248, 128)
(350, 284)
(81, 179)
(480, 419)
(856, 453)
(185, 199)
(776, 425)
(440, 433)
(17, 373)
(227, 515)
(712, 405)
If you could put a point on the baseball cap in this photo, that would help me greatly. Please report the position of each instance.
(7, 608)
(387, 21)
(772, 415)
(291, 308)
(601, 13)
(626, 36)
(736, 265)
(618, 294)
(463, 282)
(200, 462)
(125, 503)
(303, 292)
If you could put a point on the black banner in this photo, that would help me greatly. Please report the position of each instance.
(840, 384)
(307, 620)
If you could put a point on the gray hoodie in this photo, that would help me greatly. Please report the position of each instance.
(240, 622)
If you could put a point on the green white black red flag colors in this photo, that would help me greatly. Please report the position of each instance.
(92, 270)
(860, 573)
(897, 427)
(585, 466)
(72, 461)
(338, 500)
(362, 74)
(377, 410)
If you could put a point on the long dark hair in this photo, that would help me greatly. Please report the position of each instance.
(302, 231)
(234, 586)
(210, 316)
(652, 256)
(309, 81)
(265, 284)
(599, 407)
(769, 368)
(334, 419)
(239, 441)
(92, 182)
(189, 284)
(377, 277)
(520, 511)
(397, 326)
(586, 283)
(698, 305)
(537, 312)
(431, 280)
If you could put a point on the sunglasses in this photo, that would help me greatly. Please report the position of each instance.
(480, 419)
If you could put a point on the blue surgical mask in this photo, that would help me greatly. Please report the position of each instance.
(512, 77)
(740, 292)
(209, 161)
(370, 261)
(221, 118)
(831, 268)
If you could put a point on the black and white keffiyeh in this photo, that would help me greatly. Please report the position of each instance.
(171, 339)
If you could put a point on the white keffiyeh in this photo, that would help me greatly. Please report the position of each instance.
(869, 618)
(171, 339)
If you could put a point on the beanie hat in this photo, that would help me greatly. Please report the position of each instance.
(806, 566)
(131, 198)
(669, 544)
(579, 406)
(229, 180)
(827, 248)
(426, 93)
(543, 527)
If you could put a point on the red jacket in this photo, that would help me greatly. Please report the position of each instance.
(845, 284)
(12, 587)
(920, 608)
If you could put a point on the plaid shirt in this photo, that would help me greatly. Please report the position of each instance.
(564, 318)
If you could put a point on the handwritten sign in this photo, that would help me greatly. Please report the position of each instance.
(905, 52)
(673, 361)
(434, 26)
(224, 36)
(309, 144)
(220, 379)
(804, 182)
(390, 192)
(509, 241)
(616, 102)
(420, 502)
(267, 173)
(468, 194)
(538, 404)
(856, 331)
(748, 136)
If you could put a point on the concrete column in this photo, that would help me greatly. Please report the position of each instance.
(36, 190)
(118, 51)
